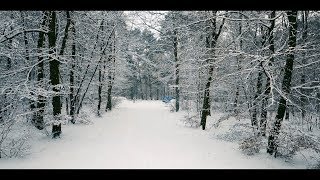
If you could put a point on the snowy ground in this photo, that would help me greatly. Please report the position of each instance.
(144, 134)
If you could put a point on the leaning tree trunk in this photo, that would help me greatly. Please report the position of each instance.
(76, 98)
(94, 72)
(211, 41)
(85, 92)
(66, 33)
(54, 77)
(286, 84)
(263, 116)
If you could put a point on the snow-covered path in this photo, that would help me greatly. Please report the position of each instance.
(144, 134)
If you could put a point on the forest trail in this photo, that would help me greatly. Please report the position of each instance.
(135, 135)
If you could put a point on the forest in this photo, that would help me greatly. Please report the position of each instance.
(259, 69)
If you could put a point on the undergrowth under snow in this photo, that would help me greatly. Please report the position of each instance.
(145, 134)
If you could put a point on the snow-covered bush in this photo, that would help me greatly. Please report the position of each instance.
(293, 142)
(188, 105)
(315, 166)
(83, 117)
(234, 131)
(172, 105)
(191, 121)
(13, 139)
(116, 101)
(251, 145)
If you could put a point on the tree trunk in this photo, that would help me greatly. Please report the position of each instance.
(99, 92)
(71, 73)
(30, 77)
(303, 97)
(150, 88)
(199, 92)
(4, 101)
(175, 46)
(100, 81)
(67, 106)
(65, 37)
(206, 103)
(238, 68)
(263, 116)
(77, 97)
(254, 121)
(84, 94)
(211, 41)
(286, 84)
(41, 99)
(63, 46)
(111, 73)
(318, 103)
(287, 112)
(157, 93)
(54, 77)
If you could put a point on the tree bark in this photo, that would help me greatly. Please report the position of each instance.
(77, 97)
(71, 73)
(84, 94)
(263, 116)
(238, 67)
(66, 33)
(39, 123)
(254, 121)
(157, 93)
(286, 84)
(175, 50)
(63, 46)
(54, 77)
(287, 114)
(99, 89)
(150, 88)
(303, 97)
(111, 73)
(206, 103)
(100, 82)
(211, 41)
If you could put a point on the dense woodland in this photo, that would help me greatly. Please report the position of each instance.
(258, 65)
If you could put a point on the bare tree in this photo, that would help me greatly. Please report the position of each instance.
(54, 77)
(211, 41)
(286, 83)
